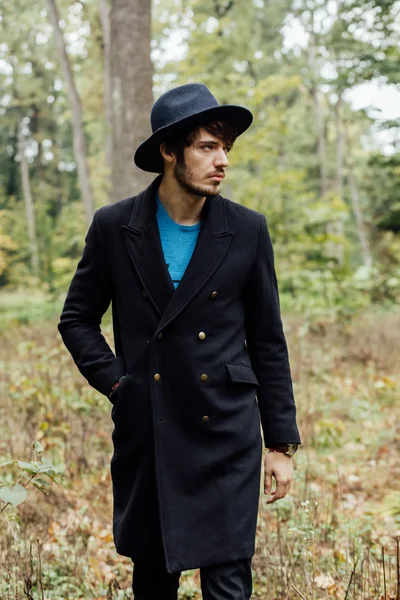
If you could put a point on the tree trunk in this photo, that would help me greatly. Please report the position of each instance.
(284, 208)
(339, 148)
(132, 73)
(337, 227)
(29, 209)
(107, 90)
(332, 248)
(357, 211)
(319, 119)
(77, 119)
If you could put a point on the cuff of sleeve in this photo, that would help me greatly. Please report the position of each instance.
(111, 375)
(116, 384)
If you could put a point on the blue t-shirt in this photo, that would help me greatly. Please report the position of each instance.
(177, 241)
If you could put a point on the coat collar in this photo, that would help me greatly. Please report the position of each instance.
(142, 239)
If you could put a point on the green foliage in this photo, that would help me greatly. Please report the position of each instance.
(7, 245)
(245, 52)
(385, 199)
(30, 473)
(14, 495)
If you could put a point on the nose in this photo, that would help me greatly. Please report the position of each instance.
(221, 159)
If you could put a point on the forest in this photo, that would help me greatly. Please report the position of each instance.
(321, 161)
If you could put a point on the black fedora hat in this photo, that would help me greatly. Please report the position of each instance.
(180, 107)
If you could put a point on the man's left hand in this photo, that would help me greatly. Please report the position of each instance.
(279, 466)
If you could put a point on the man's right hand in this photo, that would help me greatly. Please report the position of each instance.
(280, 467)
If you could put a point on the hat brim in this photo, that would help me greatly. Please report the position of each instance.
(148, 157)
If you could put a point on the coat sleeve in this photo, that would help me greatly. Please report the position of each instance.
(267, 347)
(88, 297)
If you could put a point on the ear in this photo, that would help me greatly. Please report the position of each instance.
(167, 154)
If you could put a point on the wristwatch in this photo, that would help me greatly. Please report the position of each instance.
(288, 449)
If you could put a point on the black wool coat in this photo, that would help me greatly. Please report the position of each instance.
(205, 365)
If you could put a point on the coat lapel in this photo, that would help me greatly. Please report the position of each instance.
(143, 243)
(212, 245)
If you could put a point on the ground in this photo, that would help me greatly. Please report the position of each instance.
(335, 533)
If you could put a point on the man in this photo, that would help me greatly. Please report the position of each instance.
(200, 355)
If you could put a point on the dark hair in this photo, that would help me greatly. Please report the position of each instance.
(181, 139)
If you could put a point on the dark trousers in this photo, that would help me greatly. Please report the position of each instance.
(228, 581)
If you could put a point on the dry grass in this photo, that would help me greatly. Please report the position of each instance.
(324, 540)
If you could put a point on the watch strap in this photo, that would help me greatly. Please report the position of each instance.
(288, 449)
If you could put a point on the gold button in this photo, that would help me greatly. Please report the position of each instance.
(202, 335)
(157, 376)
(160, 335)
(213, 294)
(204, 377)
(205, 419)
(144, 293)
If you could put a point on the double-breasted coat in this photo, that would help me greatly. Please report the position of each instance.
(205, 363)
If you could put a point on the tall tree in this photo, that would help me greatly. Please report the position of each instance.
(319, 119)
(132, 75)
(79, 141)
(108, 107)
(357, 210)
(29, 207)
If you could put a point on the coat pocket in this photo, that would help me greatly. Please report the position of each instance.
(242, 374)
(115, 394)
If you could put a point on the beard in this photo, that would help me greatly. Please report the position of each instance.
(186, 180)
